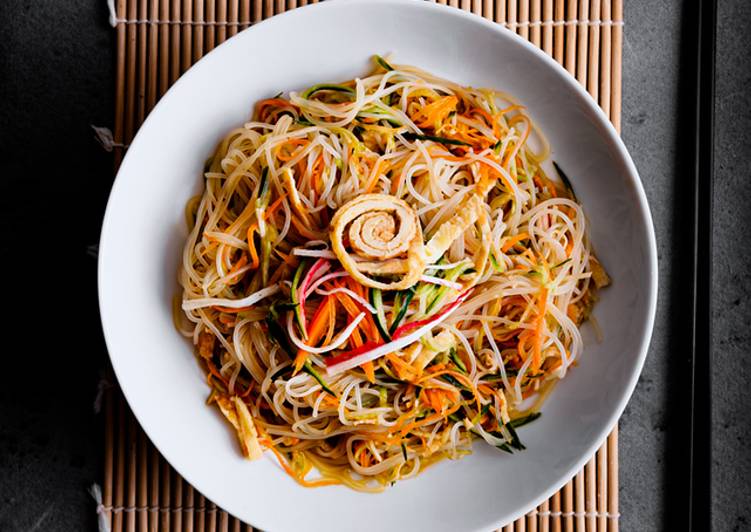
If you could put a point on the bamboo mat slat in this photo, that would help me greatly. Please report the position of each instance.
(158, 40)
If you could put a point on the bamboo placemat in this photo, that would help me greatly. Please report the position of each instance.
(157, 40)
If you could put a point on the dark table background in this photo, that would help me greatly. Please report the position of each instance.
(57, 78)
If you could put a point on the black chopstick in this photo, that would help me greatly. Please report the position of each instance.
(700, 429)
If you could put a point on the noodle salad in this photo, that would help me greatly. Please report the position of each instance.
(379, 272)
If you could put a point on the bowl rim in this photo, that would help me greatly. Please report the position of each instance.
(612, 138)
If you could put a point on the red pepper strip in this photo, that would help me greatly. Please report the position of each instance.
(416, 324)
(338, 359)
(367, 346)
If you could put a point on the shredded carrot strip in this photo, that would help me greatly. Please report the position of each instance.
(368, 324)
(458, 376)
(513, 240)
(433, 113)
(242, 261)
(215, 372)
(487, 175)
(489, 119)
(352, 310)
(369, 370)
(435, 397)
(289, 260)
(329, 401)
(429, 419)
(331, 328)
(542, 182)
(484, 388)
(376, 173)
(528, 253)
(255, 262)
(402, 368)
(247, 391)
(316, 329)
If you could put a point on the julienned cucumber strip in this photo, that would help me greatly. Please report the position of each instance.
(376, 299)
(326, 87)
(277, 335)
(408, 295)
(293, 296)
(382, 63)
(308, 368)
(565, 179)
(520, 422)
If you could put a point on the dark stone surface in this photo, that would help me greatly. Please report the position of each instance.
(731, 372)
(651, 50)
(57, 77)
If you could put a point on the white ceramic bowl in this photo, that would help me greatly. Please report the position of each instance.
(144, 230)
